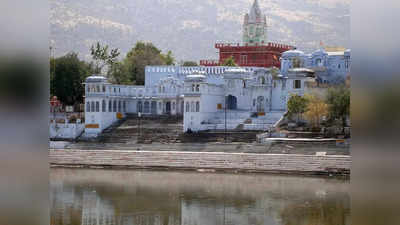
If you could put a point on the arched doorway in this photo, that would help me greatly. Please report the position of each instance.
(231, 102)
(153, 107)
(146, 107)
(168, 107)
(260, 104)
(140, 107)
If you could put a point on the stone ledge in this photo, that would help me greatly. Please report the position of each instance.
(274, 163)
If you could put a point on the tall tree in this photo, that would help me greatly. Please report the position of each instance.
(338, 99)
(102, 57)
(68, 74)
(297, 105)
(229, 62)
(168, 58)
(316, 110)
(142, 55)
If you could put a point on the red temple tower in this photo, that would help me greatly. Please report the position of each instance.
(255, 50)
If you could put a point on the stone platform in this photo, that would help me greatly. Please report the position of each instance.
(246, 162)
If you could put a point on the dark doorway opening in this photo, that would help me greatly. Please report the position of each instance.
(231, 102)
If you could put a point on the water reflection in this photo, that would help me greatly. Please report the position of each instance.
(122, 197)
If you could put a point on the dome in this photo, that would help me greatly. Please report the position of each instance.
(96, 79)
(195, 77)
(292, 53)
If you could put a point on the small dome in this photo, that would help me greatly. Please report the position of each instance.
(292, 53)
(195, 77)
(96, 79)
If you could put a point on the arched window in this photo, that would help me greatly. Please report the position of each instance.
(192, 106)
(140, 106)
(119, 106)
(198, 88)
(187, 107)
(193, 87)
(197, 106)
(146, 107)
(115, 106)
(92, 109)
(262, 80)
(319, 62)
(110, 106)
(88, 107)
(103, 106)
(97, 106)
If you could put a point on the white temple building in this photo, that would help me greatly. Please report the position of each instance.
(209, 98)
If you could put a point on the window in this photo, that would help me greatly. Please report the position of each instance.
(97, 106)
(160, 106)
(104, 88)
(115, 106)
(198, 88)
(193, 87)
(297, 84)
(88, 107)
(262, 80)
(254, 102)
(97, 88)
(319, 62)
(197, 106)
(92, 109)
(338, 66)
(88, 88)
(173, 106)
(110, 106)
(124, 106)
(192, 106)
(119, 106)
(115, 90)
(103, 106)
(244, 84)
(187, 107)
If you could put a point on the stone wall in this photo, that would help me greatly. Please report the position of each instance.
(282, 163)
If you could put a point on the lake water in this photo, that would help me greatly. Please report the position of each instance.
(122, 197)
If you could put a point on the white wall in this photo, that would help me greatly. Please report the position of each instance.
(66, 130)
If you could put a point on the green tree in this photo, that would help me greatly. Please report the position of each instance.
(67, 76)
(102, 57)
(189, 63)
(168, 58)
(229, 62)
(338, 99)
(297, 105)
(316, 110)
(274, 72)
(142, 55)
(119, 74)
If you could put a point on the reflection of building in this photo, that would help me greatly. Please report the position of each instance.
(96, 211)
(255, 49)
